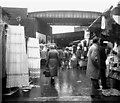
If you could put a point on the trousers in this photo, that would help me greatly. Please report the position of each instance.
(95, 87)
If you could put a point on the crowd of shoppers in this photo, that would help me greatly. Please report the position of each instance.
(96, 67)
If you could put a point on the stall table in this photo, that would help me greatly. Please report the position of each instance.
(114, 73)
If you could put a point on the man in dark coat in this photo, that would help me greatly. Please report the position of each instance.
(93, 67)
(103, 57)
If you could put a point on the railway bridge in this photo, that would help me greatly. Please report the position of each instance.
(66, 18)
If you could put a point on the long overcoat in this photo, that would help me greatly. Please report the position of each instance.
(53, 62)
(93, 65)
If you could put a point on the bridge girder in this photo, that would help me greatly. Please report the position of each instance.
(74, 18)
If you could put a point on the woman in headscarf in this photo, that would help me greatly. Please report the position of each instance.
(53, 62)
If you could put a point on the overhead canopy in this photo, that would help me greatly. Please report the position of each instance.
(96, 25)
(112, 13)
(116, 14)
(75, 42)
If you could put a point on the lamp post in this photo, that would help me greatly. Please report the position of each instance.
(18, 19)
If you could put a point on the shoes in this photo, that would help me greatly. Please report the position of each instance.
(96, 96)
(52, 81)
(106, 88)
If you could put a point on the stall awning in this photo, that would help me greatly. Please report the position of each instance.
(97, 23)
(116, 14)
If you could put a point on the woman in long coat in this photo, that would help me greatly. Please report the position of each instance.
(53, 62)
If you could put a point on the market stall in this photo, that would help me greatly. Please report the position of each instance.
(115, 72)
(113, 68)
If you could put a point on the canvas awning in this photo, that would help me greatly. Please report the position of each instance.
(113, 13)
(97, 23)
(116, 14)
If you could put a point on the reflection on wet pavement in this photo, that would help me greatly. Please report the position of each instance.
(72, 82)
(69, 83)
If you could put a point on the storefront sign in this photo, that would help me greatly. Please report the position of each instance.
(103, 24)
(41, 37)
(86, 34)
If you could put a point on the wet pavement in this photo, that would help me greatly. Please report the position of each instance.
(70, 85)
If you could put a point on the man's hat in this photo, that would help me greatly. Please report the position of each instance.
(95, 39)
